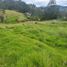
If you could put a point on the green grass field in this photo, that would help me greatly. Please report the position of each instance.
(33, 45)
(11, 16)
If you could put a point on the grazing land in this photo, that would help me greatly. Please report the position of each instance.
(12, 16)
(33, 45)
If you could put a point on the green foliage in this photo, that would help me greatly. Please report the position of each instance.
(14, 5)
(36, 13)
(51, 12)
(33, 45)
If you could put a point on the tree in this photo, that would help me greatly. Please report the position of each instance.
(51, 12)
(9, 0)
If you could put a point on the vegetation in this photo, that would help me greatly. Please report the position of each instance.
(51, 12)
(33, 45)
(34, 42)
(11, 16)
(36, 13)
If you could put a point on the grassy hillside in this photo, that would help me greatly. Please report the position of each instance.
(11, 16)
(33, 45)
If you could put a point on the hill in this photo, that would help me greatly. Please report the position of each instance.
(33, 45)
(63, 8)
(12, 15)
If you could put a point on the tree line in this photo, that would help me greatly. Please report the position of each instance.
(33, 12)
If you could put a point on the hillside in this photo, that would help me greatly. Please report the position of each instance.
(63, 8)
(11, 16)
(33, 45)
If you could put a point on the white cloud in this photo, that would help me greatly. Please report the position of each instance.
(45, 2)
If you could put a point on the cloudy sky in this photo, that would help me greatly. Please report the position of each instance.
(45, 2)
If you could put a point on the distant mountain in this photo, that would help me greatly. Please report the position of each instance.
(61, 8)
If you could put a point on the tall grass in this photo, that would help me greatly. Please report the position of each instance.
(33, 45)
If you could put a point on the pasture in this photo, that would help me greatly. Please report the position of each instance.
(33, 45)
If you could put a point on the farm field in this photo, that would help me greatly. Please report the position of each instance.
(33, 45)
